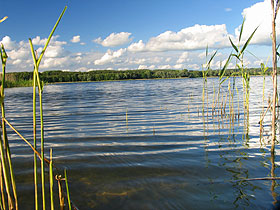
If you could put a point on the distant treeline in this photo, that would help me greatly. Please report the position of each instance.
(22, 79)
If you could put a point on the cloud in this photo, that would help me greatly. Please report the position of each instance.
(41, 42)
(110, 56)
(197, 37)
(228, 9)
(8, 43)
(183, 58)
(54, 63)
(191, 38)
(193, 66)
(75, 39)
(178, 66)
(180, 49)
(137, 47)
(38, 41)
(142, 67)
(55, 51)
(258, 15)
(114, 39)
(20, 54)
(167, 66)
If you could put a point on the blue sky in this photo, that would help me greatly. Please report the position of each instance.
(131, 34)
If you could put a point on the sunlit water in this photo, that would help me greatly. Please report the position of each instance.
(146, 144)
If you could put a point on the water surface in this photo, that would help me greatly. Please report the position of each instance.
(147, 144)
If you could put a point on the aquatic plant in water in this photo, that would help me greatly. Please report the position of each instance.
(7, 179)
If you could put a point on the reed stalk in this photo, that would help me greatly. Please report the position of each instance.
(67, 190)
(60, 192)
(238, 106)
(51, 180)
(4, 58)
(4, 147)
(7, 180)
(35, 143)
(275, 7)
(4, 130)
(3, 199)
(40, 91)
(26, 141)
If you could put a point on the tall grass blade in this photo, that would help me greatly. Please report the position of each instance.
(67, 190)
(5, 150)
(278, 54)
(3, 199)
(35, 143)
(222, 72)
(247, 42)
(233, 45)
(3, 19)
(51, 180)
(60, 192)
(42, 126)
(274, 73)
(212, 57)
(241, 30)
(40, 87)
(50, 36)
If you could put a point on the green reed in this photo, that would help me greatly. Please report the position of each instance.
(7, 180)
(4, 147)
(36, 77)
(275, 8)
(239, 55)
(264, 68)
(35, 144)
(51, 180)
(205, 71)
(67, 190)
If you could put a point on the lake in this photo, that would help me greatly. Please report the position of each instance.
(148, 144)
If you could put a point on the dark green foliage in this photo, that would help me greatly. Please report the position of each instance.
(24, 79)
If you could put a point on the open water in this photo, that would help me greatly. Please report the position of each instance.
(147, 144)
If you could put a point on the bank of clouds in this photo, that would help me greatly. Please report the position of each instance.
(170, 49)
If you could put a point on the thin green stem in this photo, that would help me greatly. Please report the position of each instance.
(51, 180)
(42, 152)
(42, 125)
(50, 36)
(5, 150)
(67, 190)
(2, 188)
(274, 72)
(35, 143)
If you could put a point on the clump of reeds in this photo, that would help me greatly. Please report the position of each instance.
(7, 179)
(223, 104)
(205, 71)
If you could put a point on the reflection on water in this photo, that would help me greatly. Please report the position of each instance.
(151, 144)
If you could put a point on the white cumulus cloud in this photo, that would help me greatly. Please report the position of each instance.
(114, 39)
(183, 58)
(110, 56)
(258, 15)
(191, 38)
(76, 39)
(8, 43)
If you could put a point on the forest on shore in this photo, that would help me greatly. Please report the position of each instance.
(24, 79)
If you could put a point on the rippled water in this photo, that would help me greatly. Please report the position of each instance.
(146, 144)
